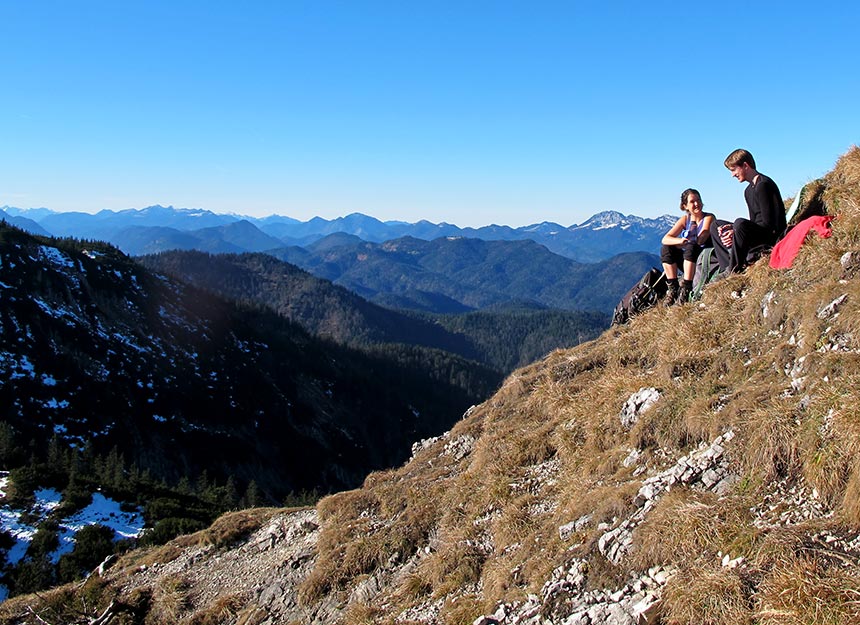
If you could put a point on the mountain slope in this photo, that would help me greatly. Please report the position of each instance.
(319, 306)
(698, 465)
(501, 338)
(99, 351)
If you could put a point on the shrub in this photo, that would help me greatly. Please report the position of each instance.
(93, 544)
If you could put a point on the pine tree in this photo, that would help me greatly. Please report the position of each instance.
(252, 498)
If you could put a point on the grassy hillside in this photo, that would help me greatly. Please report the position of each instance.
(702, 460)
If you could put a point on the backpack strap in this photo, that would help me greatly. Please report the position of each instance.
(706, 257)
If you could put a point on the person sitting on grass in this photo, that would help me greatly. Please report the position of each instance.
(739, 243)
(682, 245)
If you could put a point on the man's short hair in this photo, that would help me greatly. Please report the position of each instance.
(738, 158)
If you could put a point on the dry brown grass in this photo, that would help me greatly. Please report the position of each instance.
(169, 600)
(232, 527)
(69, 603)
(224, 609)
(690, 526)
(461, 610)
(708, 594)
(802, 591)
(358, 613)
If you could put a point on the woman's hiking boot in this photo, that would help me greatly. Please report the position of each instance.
(685, 291)
(671, 292)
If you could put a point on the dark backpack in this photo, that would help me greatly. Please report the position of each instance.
(646, 293)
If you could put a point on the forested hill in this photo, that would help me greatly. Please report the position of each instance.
(449, 275)
(99, 352)
(321, 307)
(502, 337)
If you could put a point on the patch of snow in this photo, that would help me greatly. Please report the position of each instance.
(47, 499)
(55, 256)
(53, 403)
(101, 510)
(23, 368)
(104, 511)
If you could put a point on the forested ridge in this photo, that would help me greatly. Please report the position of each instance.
(501, 337)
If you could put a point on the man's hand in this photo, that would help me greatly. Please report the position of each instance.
(727, 234)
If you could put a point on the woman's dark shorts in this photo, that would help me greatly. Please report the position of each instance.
(677, 254)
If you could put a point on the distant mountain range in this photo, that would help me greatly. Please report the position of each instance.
(158, 228)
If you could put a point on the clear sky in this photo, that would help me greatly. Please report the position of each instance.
(470, 112)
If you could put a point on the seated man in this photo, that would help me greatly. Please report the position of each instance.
(733, 242)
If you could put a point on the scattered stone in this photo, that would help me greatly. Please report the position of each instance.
(460, 447)
(766, 301)
(632, 458)
(832, 307)
(638, 404)
(706, 468)
(850, 262)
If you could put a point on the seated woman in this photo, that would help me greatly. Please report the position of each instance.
(682, 245)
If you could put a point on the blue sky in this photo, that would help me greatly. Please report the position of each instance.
(469, 112)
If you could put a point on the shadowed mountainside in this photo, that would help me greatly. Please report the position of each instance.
(501, 338)
(100, 352)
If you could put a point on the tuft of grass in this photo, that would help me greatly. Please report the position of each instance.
(803, 590)
(224, 609)
(461, 610)
(233, 527)
(708, 594)
(691, 526)
(170, 600)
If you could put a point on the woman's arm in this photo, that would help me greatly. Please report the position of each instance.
(671, 237)
(705, 230)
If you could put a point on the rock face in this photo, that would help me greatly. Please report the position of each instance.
(638, 404)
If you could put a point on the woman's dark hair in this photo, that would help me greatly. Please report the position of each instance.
(686, 194)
